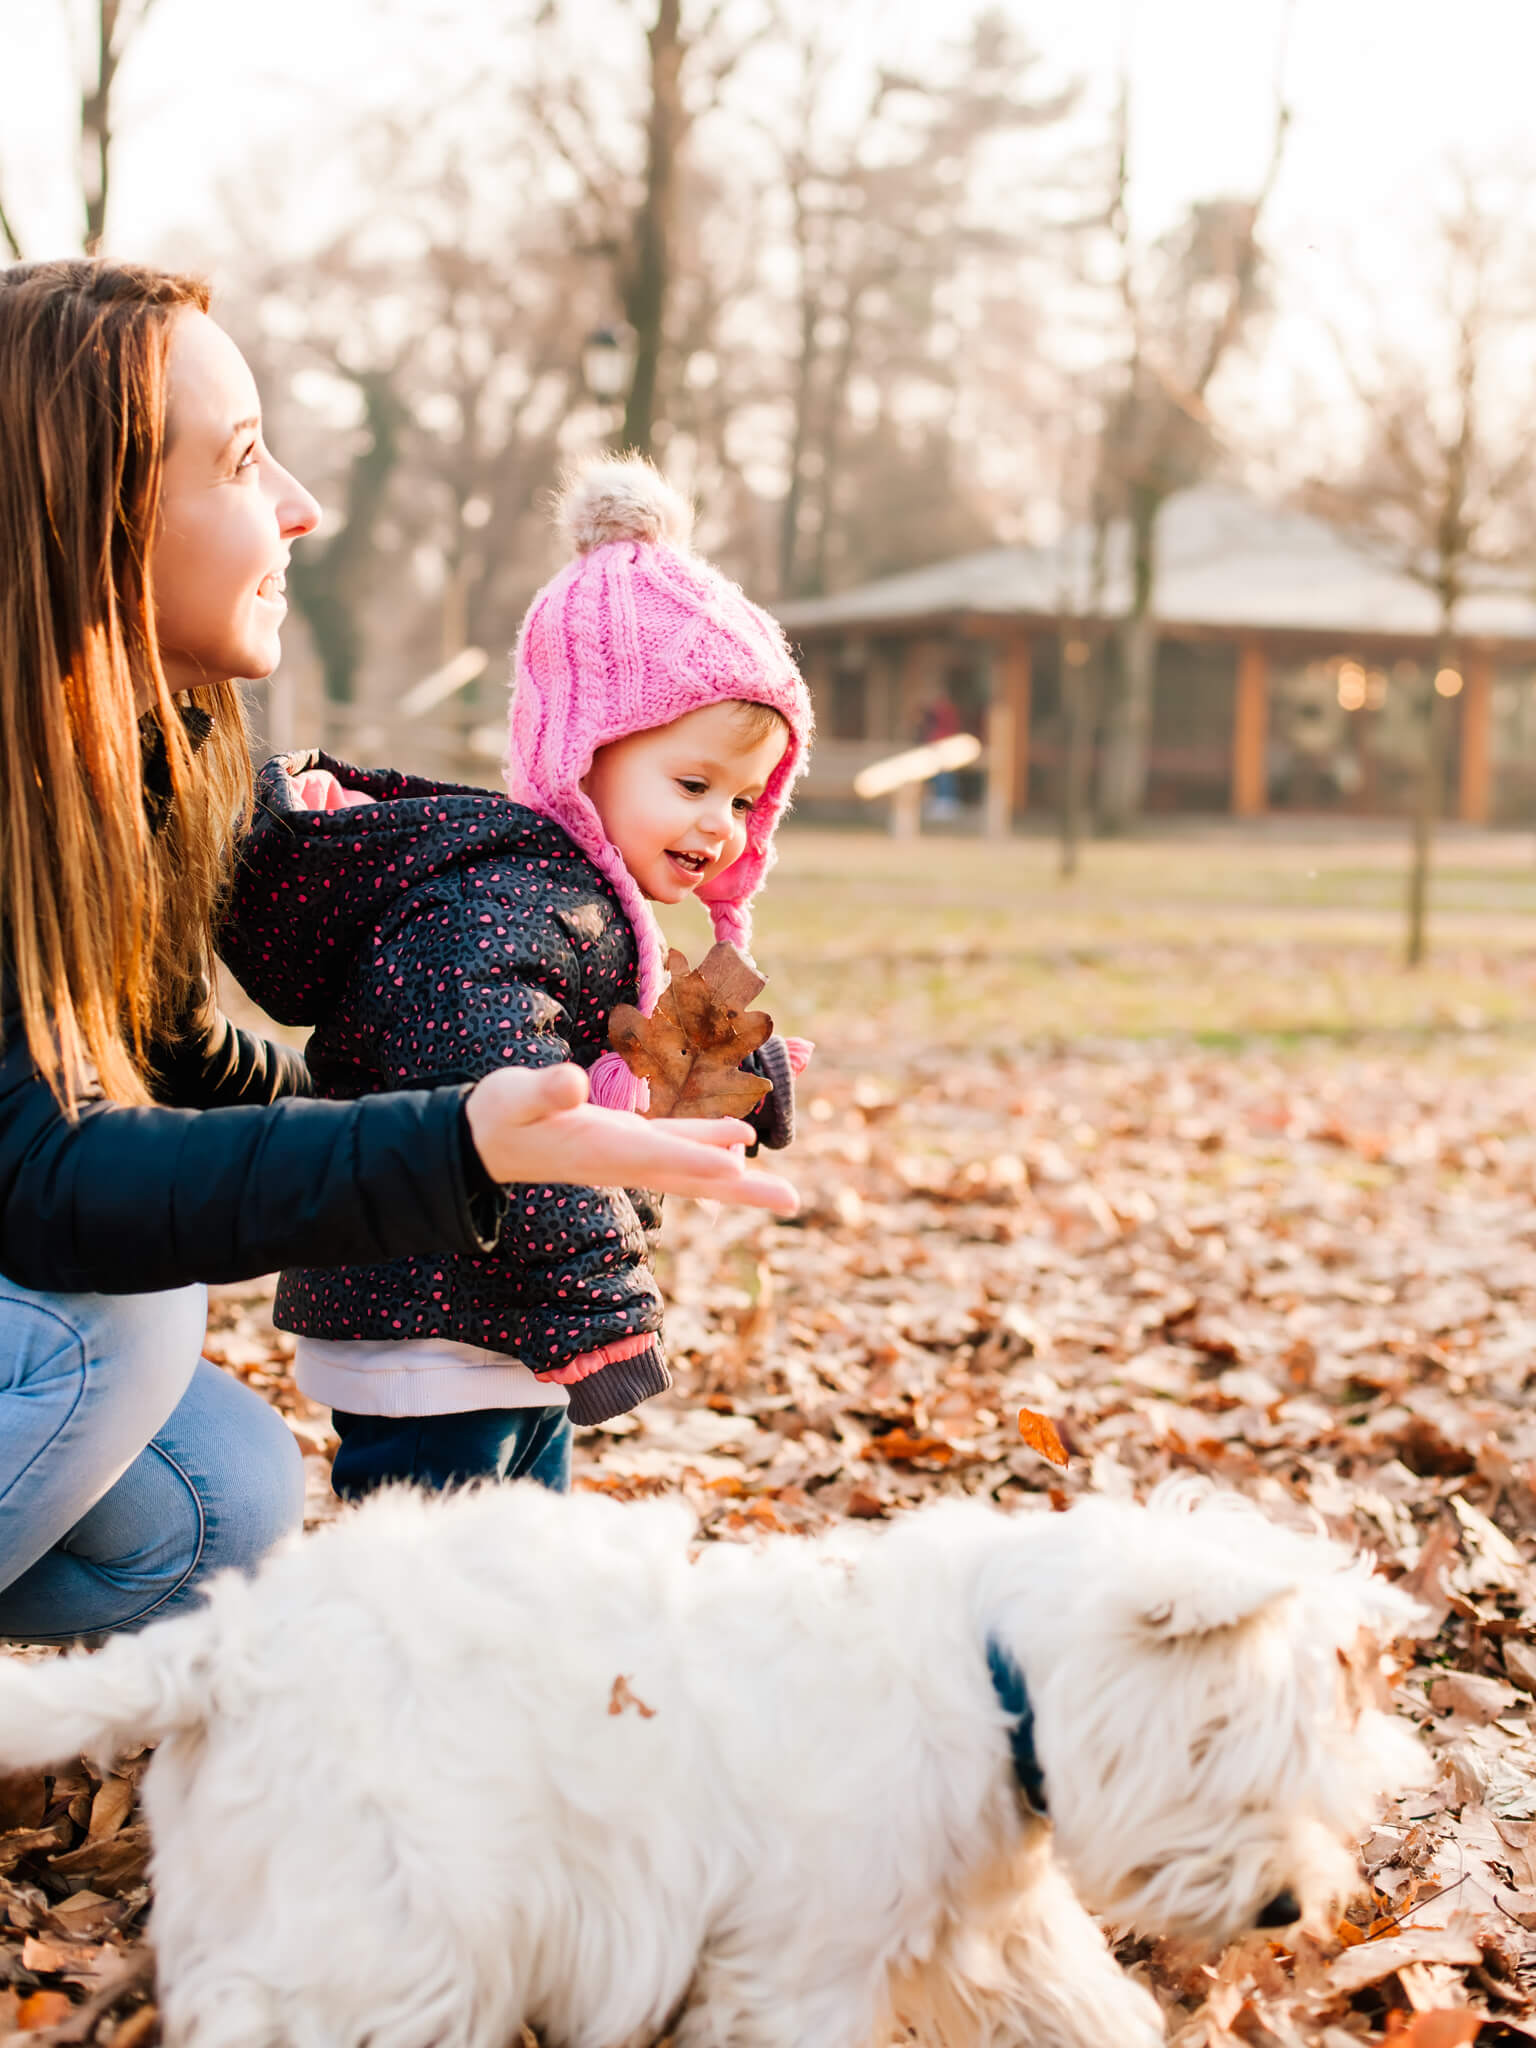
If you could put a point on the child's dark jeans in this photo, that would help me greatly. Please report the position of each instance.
(436, 1451)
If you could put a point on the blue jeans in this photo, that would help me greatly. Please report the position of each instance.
(130, 1468)
(437, 1451)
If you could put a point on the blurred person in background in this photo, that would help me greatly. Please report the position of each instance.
(940, 720)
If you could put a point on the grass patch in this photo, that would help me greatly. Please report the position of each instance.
(1220, 938)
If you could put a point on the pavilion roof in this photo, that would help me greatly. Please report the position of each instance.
(1227, 560)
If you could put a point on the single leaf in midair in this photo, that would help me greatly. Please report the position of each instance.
(1040, 1433)
(691, 1049)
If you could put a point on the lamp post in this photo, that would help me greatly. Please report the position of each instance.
(608, 364)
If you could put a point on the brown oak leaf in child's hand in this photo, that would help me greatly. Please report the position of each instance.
(691, 1049)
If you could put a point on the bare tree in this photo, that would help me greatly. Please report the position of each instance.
(632, 178)
(887, 234)
(9, 235)
(1082, 576)
(115, 24)
(1443, 482)
(438, 339)
(101, 34)
(1182, 308)
(1090, 498)
(493, 384)
(331, 578)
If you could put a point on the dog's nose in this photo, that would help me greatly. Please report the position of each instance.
(1283, 1910)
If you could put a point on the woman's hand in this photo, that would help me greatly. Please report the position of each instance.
(535, 1124)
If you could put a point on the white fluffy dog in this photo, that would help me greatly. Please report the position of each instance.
(456, 1765)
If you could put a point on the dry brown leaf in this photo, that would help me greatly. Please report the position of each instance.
(1429, 1580)
(23, 1799)
(1041, 1434)
(30, 1841)
(901, 1446)
(43, 2009)
(1471, 1695)
(1445, 2029)
(109, 1809)
(691, 1048)
(139, 2029)
(1374, 1961)
(44, 1956)
(114, 1864)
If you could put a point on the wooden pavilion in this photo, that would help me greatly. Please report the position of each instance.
(1291, 672)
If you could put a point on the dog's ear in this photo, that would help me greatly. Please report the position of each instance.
(1213, 1603)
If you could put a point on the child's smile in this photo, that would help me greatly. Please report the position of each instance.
(675, 799)
(693, 865)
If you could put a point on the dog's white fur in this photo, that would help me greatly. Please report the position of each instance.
(403, 1799)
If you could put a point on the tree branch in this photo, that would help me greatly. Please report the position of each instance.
(11, 238)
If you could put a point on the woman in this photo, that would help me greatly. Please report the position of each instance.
(147, 1146)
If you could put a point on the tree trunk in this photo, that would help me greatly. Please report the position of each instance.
(834, 416)
(1127, 743)
(329, 582)
(651, 276)
(789, 513)
(10, 237)
(96, 127)
(1081, 690)
(1428, 799)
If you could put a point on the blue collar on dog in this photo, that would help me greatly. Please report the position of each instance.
(1013, 1698)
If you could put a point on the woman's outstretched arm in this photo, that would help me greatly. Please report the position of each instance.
(126, 1201)
(533, 1124)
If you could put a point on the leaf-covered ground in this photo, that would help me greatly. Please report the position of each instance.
(1312, 1279)
(1309, 1273)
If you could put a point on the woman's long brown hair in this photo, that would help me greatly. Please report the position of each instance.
(106, 898)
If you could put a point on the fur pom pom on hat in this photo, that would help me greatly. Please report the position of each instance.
(622, 498)
(635, 632)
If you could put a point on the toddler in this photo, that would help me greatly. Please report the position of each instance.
(429, 932)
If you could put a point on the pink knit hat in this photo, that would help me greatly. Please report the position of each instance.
(638, 631)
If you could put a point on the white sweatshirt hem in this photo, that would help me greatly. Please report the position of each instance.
(434, 1376)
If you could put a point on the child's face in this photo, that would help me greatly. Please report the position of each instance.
(675, 800)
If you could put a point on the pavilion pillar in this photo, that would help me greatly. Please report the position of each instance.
(1474, 802)
(1250, 731)
(1008, 734)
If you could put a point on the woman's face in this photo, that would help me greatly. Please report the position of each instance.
(229, 515)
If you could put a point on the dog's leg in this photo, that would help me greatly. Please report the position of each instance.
(737, 2002)
(234, 2014)
(726, 2005)
(1032, 1972)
